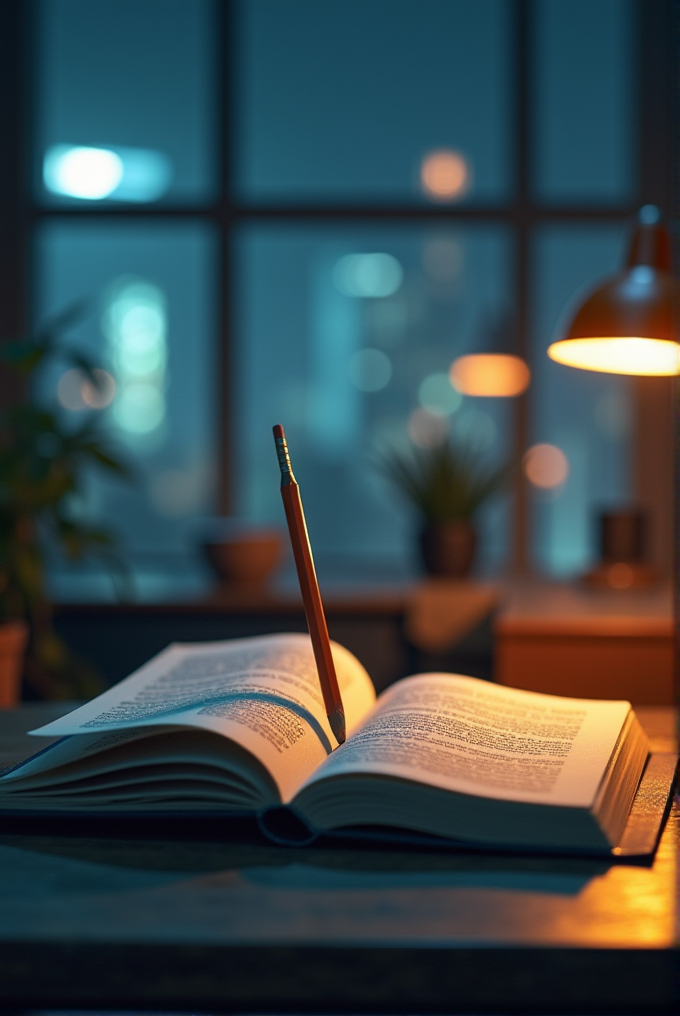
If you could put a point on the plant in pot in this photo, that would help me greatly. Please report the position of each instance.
(446, 483)
(43, 457)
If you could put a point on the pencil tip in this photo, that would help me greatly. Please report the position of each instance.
(337, 724)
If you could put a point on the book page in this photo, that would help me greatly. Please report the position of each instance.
(470, 736)
(263, 693)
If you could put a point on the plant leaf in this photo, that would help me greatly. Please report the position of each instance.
(447, 481)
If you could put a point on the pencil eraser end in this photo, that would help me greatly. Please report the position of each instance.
(278, 430)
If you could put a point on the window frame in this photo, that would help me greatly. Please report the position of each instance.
(21, 213)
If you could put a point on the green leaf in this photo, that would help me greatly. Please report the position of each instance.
(448, 481)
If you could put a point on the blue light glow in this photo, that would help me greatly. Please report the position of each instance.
(365, 275)
(135, 324)
(93, 174)
(437, 395)
(87, 173)
(370, 370)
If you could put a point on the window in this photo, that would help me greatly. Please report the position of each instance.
(302, 211)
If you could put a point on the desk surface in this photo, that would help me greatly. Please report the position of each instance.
(561, 608)
(210, 926)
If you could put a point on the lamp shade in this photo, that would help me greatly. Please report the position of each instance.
(627, 325)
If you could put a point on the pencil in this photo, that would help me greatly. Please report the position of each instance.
(309, 587)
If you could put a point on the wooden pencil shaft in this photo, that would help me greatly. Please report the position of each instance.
(309, 587)
(311, 597)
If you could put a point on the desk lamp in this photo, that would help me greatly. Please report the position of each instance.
(626, 325)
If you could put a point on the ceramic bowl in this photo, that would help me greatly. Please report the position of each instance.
(246, 558)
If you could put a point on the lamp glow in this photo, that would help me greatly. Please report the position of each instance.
(490, 375)
(619, 355)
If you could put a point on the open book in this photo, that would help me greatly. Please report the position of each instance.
(239, 726)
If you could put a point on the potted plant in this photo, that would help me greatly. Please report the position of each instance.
(446, 484)
(43, 456)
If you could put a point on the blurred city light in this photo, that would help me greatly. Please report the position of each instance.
(76, 391)
(370, 370)
(444, 175)
(93, 174)
(436, 394)
(545, 466)
(426, 429)
(490, 375)
(88, 173)
(135, 324)
(368, 275)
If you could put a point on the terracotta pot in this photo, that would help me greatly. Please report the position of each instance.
(448, 548)
(246, 559)
(13, 639)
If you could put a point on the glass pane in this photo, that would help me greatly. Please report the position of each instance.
(586, 415)
(346, 335)
(584, 100)
(343, 100)
(149, 321)
(125, 101)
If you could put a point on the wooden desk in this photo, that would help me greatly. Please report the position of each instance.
(109, 923)
(568, 640)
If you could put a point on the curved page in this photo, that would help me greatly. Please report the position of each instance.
(262, 692)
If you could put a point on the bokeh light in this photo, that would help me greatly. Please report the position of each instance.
(139, 409)
(545, 466)
(70, 390)
(135, 324)
(490, 375)
(444, 175)
(76, 391)
(92, 174)
(426, 429)
(367, 275)
(370, 370)
(101, 394)
(436, 394)
(77, 172)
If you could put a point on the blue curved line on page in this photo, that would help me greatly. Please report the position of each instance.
(276, 700)
(157, 710)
